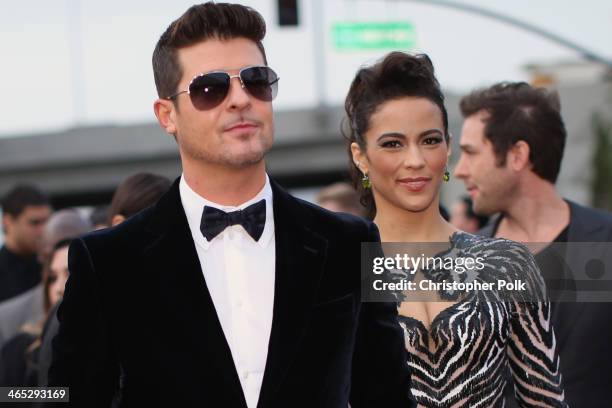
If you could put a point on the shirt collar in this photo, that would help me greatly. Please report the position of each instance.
(193, 204)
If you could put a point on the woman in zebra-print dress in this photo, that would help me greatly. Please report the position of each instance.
(462, 347)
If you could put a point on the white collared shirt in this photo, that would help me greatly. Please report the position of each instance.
(239, 273)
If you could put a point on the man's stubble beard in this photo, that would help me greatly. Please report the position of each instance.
(225, 157)
(495, 201)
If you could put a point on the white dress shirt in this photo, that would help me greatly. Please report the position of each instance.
(239, 273)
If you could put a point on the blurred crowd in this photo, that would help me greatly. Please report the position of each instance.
(34, 268)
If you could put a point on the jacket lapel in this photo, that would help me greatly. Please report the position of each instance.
(186, 301)
(300, 257)
(584, 227)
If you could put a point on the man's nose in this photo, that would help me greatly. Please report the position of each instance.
(238, 96)
(461, 171)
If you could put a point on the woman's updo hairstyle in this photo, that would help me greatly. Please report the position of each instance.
(396, 76)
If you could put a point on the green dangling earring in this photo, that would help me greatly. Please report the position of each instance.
(365, 182)
(446, 175)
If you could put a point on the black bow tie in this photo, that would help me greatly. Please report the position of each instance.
(252, 218)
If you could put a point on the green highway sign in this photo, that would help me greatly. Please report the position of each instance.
(373, 36)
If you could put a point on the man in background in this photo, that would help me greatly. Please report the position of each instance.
(25, 211)
(512, 144)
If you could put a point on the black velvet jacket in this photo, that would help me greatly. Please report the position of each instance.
(137, 318)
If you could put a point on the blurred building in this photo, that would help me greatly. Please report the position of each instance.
(568, 73)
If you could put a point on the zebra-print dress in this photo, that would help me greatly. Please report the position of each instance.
(477, 339)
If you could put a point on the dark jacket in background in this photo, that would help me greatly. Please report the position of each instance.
(17, 274)
(583, 330)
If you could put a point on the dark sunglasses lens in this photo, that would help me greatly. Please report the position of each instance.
(209, 90)
(261, 82)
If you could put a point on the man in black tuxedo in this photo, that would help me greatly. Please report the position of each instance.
(228, 292)
(511, 149)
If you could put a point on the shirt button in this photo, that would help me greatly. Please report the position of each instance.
(239, 304)
(245, 375)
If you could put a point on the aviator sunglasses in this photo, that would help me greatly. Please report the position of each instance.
(209, 89)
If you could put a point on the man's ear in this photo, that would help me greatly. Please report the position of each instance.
(518, 156)
(359, 158)
(164, 111)
(7, 223)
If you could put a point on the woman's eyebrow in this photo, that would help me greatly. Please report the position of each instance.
(402, 136)
(392, 134)
(431, 132)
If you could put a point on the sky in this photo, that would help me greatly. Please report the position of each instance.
(69, 63)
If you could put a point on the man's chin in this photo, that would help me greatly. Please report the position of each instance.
(484, 209)
(243, 160)
(233, 159)
(245, 163)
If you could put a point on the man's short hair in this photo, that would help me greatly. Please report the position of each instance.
(517, 111)
(200, 22)
(21, 196)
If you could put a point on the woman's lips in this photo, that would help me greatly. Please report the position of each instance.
(414, 184)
